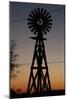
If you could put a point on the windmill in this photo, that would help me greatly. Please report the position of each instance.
(39, 22)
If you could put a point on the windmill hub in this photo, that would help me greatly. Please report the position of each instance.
(40, 22)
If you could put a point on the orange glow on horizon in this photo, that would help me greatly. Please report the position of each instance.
(56, 78)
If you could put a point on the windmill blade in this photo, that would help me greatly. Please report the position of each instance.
(46, 15)
(31, 26)
(33, 29)
(48, 26)
(49, 23)
(41, 10)
(38, 11)
(35, 32)
(49, 20)
(31, 16)
(29, 19)
(30, 23)
(45, 12)
(44, 31)
(33, 13)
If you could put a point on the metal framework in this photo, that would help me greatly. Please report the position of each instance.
(39, 22)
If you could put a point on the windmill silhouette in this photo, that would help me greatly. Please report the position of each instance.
(39, 22)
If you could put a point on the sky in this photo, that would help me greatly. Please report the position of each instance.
(54, 45)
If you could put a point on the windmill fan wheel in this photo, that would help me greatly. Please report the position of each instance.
(39, 21)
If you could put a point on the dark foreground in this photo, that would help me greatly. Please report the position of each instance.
(24, 95)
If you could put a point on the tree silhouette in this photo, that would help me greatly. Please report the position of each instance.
(13, 57)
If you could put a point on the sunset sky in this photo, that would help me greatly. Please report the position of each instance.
(54, 45)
